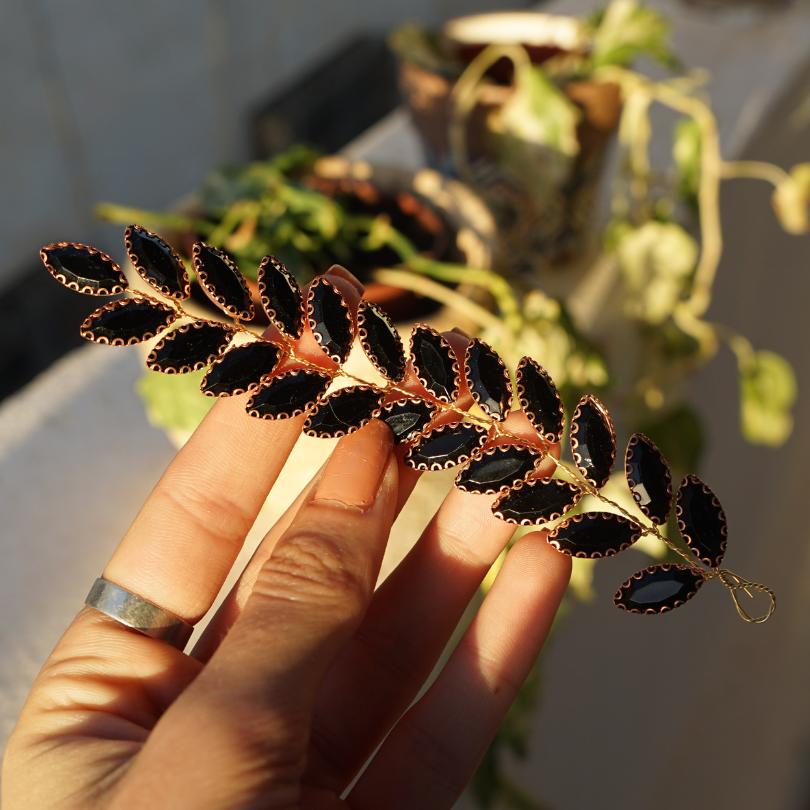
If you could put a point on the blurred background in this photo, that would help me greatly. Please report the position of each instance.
(639, 175)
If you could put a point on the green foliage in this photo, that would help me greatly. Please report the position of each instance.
(174, 402)
(657, 260)
(686, 152)
(680, 436)
(767, 396)
(791, 200)
(626, 30)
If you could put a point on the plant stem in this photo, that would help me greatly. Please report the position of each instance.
(125, 215)
(753, 170)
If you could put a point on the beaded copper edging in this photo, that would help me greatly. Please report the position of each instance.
(480, 455)
(253, 386)
(576, 496)
(525, 405)
(325, 399)
(220, 300)
(574, 441)
(454, 364)
(86, 327)
(635, 439)
(610, 551)
(319, 282)
(151, 359)
(59, 275)
(363, 335)
(498, 417)
(135, 260)
(454, 461)
(415, 433)
(712, 562)
(623, 588)
(251, 409)
(267, 306)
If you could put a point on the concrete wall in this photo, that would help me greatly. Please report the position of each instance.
(135, 102)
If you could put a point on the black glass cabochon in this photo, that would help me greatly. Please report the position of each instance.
(445, 446)
(189, 347)
(535, 502)
(157, 263)
(281, 297)
(241, 369)
(128, 321)
(658, 588)
(701, 520)
(488, 379)
(540, 399)
(407, 417)
(222, 282)
(344, 411)
(330, 320)
(83, 268)
(288, 394)
(594, 534)
(435, 363)
(593, 440)
(648, 478)
(381, 341)
(496, 468)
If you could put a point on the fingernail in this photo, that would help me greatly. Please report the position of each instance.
(354, 472)
(342, 272)
(459, 331)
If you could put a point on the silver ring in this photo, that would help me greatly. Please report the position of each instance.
(134, 611)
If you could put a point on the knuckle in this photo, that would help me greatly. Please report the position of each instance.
(312, 566)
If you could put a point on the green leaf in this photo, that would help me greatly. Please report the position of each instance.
(767, 396)
(174, 401)
(628, 30)
(535, 135)
(656, 260)
(686, 149)
(791, 200)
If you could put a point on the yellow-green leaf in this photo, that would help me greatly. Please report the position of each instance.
(767, 396)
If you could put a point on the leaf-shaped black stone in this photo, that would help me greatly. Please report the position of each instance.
(658, 588)
(497, 468)
(241, 369)
(344, 411)
(535, 502)
(435, 363)
(222, 282)
(407, 417)
(648, 477)
(701, 521)
(381, 341)
(539, 399)
(593, 440)
(127, 321)
(83, 268)
(329, 319)
(445, 446)
(281, 297)
(189, 347)
(594, 534)
(488, 379)
(288, 394)
(157, 263)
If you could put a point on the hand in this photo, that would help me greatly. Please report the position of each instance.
(306, 668)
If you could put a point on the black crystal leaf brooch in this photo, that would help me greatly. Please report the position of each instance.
(424, 399)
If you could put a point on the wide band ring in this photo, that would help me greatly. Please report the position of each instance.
(134, 611)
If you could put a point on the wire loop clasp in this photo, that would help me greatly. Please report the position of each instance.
(736, 583)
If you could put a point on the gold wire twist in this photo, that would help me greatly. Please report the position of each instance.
(732, 581)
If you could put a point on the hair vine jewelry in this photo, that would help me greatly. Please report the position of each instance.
(495, 461)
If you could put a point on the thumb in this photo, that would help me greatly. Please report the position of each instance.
(246, 718)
